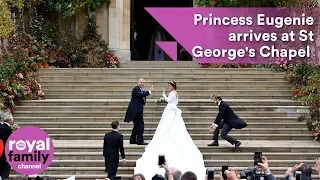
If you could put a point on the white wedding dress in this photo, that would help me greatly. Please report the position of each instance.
(173, 140)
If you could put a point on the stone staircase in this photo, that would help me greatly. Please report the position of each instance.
(81, 103)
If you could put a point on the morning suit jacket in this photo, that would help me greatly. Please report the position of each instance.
(138, 100)
(113, 143)
(229, 117)
(5, 132)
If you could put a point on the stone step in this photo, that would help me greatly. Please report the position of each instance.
(247, 146)
(199, 131)
(151, 101)
(208, 163)
(91, 136)
(160, 70)
(200, 124)
(105, 119)
(170, 76)
(115, 87)
(181, 71)
(107, 113)
(207, 93)
(138, 63)
(206, 155)
(155, 69)
(161, 79)
(165, 79)
(160, 107)
(79, 95)
(155, 64)
(102, 176)
(69, 82)
(264, 101)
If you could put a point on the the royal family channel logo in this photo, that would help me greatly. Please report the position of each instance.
(29, 150)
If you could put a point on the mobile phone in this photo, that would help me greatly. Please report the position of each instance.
(223, 169)
(298, 175)
(257, 157)
(161, 160)
(210, 173)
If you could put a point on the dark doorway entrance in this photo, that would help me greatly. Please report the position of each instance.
(144, 26)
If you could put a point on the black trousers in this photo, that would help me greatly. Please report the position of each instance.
(4, 174)
(111, 167)
(111, 175)
(224, 133)
(138, 129)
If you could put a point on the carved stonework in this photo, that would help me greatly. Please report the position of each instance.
(125, 36)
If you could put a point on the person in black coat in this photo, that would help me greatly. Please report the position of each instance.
(230, 121)
(135, 112)
(113, 143)
(5, 132)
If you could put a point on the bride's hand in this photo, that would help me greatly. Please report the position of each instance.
(164, 91)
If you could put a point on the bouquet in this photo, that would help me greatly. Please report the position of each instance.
(161, 100)
(14, 127)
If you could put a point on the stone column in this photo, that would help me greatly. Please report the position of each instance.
(102, 19)
(119, 28)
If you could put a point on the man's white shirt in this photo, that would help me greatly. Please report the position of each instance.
(213, 124)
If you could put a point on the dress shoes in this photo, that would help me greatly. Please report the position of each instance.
(237, 145)
(142, 143)
(213, 144)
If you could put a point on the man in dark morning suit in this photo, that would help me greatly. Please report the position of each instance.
(135, 112)
(230, 121)
(112, 144)
(5, 132)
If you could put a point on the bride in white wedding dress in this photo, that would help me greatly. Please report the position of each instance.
(172, 140)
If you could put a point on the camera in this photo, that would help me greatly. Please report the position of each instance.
(298, 175)
(257, 157)
(210, 173)
(223, 170)
(252, 173)
(161, 159)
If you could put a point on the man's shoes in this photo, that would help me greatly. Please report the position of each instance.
(213, 144)
(142, 143)
(237, 145)
(133, 142)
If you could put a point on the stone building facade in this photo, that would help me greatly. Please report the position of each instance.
(114, 26)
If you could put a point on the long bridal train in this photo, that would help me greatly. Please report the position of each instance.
(173, 140)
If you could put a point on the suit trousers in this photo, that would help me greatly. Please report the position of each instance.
(111, 176)
(224, 133)
(138, 129)
(5, 172)
(111, 167)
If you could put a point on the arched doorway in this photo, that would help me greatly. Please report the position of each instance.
(143, 25)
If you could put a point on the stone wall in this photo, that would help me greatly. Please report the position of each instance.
(119, 28)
